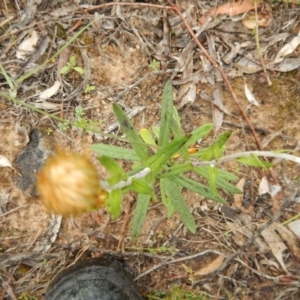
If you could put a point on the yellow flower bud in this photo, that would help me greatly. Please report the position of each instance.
(68, 184)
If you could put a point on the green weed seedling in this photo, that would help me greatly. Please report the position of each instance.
(154, 65)
(80, 122)
(157, 152)
(71, 65)
(89, 88)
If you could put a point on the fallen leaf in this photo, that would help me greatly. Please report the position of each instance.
(239, 198)
(46, 105)
(266, 188)
(48, 93)
(276, 244)
(27, 46)
(249, 95)
(216, 112)
(263, 19)
(288, 64)
(4, 162)
(295, 227)
(288, 48)
(211, 267)
(230, 8)
(289, 238)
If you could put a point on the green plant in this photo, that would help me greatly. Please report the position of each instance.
(89, 88)
(49, 130)
(154, 65)
(160, 164)
(80, 122)
(71, 65)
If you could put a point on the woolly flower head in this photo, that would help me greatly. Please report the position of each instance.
(68, 184)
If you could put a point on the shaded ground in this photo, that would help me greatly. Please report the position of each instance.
(116, 55)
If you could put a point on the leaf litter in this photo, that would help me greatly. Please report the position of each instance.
(114, 53)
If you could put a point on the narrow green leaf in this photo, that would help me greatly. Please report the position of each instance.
(72, 61)
(212, 179)
(227, 186)
(148, 138)
(155, 130)
(196, 187)
(158, 159)
(199, 133)
(174, 193)
(133, 137)
(116, 172)
(64, 70)
(216, 151)
(222, 180)
(175, 124)
(142, 187)
(115, 152)
(166, 113)
(139, 215)
(79, 70)
(115, 203)
(202, 170)
(227, 175)
(176, 117)
(254, 161)
(196, 135)
(175, 170)
(223, 138)
(166, 199)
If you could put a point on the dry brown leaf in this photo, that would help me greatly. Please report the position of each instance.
(289, 238)
(48, 93)
(266, 188)
(27, 46)
(274, 241)
(287, 49)
(249, 95)
(230, 8)
(216, 112)
(211, 267)
(263, 18)
(238, 198)
(295, 227)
